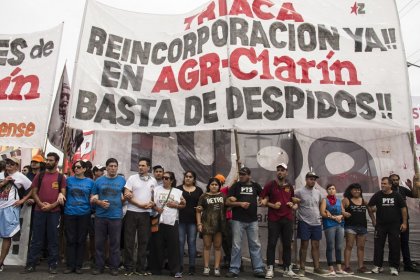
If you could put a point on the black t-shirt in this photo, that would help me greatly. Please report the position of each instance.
(187, 215)
(388, 207)
(245, 192)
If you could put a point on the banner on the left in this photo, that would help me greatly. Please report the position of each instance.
(27, 71)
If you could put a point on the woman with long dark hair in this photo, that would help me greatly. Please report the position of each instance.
(77, 212)
(168, 200)
(211, 221)
(354, 209)
(187, 219)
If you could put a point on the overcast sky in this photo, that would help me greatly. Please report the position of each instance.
(25, 16)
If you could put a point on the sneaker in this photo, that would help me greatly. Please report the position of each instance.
(320, 271)
(301, 272)
(1, 267)
(78, 271)
(191, 270)
(341, 272)
(410, 268)
(28, 269)
(377, 269)
(178, 275)
(348, 270)
(231, 275)
(217, 272)
(52, 270)
(394, 271)
(97, 271)
(331, 273)
(68, 270)
(269, 273)
(114, 272)
(128, 273)
(363, 269)
(288, 272)
(259, 274)
(206, 271)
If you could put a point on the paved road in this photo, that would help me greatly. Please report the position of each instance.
(12, 273)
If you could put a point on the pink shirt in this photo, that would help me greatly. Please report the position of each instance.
(48, 192)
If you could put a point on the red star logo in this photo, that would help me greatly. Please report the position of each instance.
(354, 9)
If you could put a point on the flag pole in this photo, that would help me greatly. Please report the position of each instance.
(238, 156)
(416, 179)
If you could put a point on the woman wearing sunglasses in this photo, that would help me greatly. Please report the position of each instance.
(168, 201)
(77, 212)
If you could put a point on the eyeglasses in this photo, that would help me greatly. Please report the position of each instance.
(77, 166)
(10, 163)
(166, 178)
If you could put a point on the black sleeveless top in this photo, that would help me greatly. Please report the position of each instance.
(358, 215)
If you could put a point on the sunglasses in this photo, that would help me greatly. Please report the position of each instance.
(166, 178)
(77, 167)
(10, 163)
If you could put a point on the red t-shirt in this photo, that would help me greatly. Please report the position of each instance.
(48, 192)
(282, 194)
(225, 191)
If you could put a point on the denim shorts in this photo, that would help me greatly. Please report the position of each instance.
(357, 230)
(307, 232)
(9, 221)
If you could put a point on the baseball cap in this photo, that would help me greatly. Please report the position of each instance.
(311, 174)
(282, 165)
(221, 178)
(245, 170)
(15, 160)
(37, 158)
(98, 167)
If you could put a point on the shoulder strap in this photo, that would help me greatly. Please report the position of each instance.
(166, 201)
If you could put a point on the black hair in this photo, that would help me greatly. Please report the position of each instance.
(211, 180)
(193, 175)
(82, 164)
(111, 160)
(172, 177)
(55, 155)
(146, 159)
(158, 167)
(2, 165)
(347, 193)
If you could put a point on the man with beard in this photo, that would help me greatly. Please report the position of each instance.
(309, 222)
(405, 235)
(49, 192)
(278, 195)
(138, 191)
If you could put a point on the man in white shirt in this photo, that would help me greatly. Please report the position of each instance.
(138, 191)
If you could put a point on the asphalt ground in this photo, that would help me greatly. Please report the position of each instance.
(41, 273)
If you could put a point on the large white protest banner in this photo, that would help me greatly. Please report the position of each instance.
(246, 64)
(27, 71)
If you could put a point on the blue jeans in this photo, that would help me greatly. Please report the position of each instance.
(254, 246)
(334, 237)
(49, 223)
(190, 230)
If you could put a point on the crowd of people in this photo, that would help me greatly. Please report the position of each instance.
(151, 218)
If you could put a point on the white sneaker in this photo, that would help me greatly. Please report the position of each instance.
(377, 269)
(270, 272)
(394, 271)
(288, 272)
(206, 271)
(217, 272)
(331, 273)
